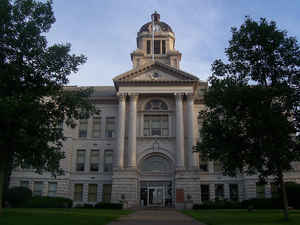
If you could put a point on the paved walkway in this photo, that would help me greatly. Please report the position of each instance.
(156, 217)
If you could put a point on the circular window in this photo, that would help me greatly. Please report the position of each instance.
(155, 75)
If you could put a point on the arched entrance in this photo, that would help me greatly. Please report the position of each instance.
(156, 181)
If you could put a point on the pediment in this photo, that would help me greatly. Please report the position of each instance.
(155, 72)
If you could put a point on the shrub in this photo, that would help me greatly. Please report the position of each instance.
(219, 204)
(84, 206)
(264, 203)
(104, 205)
(196, 206)
(293, 194)
(48, 202)
(17, 196)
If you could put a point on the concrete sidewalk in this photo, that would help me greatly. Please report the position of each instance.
(156, 217)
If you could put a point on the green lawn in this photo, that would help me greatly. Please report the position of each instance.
(60, 216)
(243, 217)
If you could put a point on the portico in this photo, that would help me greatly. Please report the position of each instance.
(160, 111)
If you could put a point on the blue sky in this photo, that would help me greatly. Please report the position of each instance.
(105, 30)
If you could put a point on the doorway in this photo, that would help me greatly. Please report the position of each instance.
(156, 194)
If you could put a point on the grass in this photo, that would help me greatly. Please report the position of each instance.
(243, 217)
(60, 216)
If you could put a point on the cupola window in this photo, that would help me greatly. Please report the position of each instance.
(156, 46)
(148, 47)
(163, 47)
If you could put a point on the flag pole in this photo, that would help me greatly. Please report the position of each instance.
(153, 38)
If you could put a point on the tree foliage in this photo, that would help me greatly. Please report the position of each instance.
(33, 100)
(251, 123)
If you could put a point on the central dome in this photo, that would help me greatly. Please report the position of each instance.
(148, 27)
(164, 27)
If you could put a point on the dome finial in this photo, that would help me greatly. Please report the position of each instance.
(155, 16)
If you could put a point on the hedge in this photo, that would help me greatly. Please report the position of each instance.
(104, 205)
(17, 196)
(264, 203)
(220, 204)
(293, 194)
(48, 202)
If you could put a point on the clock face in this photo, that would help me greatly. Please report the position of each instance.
(155, 76)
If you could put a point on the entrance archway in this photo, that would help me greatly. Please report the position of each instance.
(156, 181)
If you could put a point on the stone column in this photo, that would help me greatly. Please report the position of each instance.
(119, 155)
(192, 159)
(179, 132)
(132, 131)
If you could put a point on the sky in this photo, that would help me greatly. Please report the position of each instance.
(105, 30)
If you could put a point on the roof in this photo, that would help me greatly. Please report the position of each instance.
(104, 91)
(156, 64)
(99, 91)
(164, 27)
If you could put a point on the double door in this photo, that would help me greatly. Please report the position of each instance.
(156, 196)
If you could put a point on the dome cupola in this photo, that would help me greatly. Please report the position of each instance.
(156, 41)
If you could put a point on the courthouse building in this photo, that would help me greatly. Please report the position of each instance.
(140, 147)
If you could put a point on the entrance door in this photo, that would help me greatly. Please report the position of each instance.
(156, 196)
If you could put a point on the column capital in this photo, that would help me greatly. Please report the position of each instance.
(121, 96)
(178, 96)
(133, 96)
(189, 96)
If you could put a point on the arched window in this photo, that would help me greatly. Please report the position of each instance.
(156, 105)
(155, 163)
(156, 124)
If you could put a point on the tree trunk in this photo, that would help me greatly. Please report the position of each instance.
(2, 174)
(3, 166)
(284, 196)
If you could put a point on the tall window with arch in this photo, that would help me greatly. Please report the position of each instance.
(156, 119)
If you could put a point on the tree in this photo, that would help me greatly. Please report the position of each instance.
(251, 123)
(33, 100)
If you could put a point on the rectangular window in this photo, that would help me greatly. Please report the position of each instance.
(219, 191)
(96, 131)
(83, 127)
(78, 190)
(203, 164)
(92, 193)
(106, 192)
(217, 166)
(24, 183)
(148, 47)
(108, 157)
(163, 47)
(94, 161)
(156, 125)
(260, 190)
(110, 127)
(274, 190)
(80, 163)
(25, 165)
(60, 124)
(38, 188)
(52, 186)
(156, 46)
(234, 192)
(204, 192)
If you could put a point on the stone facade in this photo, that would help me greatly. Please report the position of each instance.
(139, 149)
